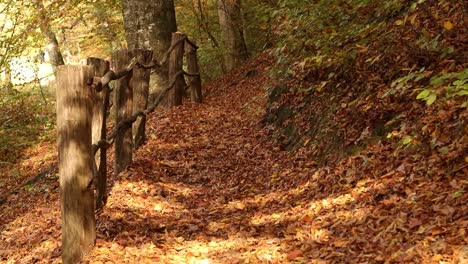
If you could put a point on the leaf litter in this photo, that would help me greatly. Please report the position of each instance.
(210, 186)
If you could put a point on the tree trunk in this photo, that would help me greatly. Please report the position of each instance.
(124, 109)
(140, 85)
(149, 25)
(232, 33)
(56, 58)
(100, 105)
(75, 161)
(7, 82)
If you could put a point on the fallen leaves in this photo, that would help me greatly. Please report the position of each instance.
(294, 254)
(448, 25)
(210, 187)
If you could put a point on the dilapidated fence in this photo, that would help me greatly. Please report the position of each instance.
(83, 99)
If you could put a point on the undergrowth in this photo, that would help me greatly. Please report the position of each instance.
(26, 118)
(360, 70)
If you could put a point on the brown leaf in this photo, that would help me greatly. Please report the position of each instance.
(294, 254)
(414, 223)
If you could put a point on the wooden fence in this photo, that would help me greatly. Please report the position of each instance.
(83, 99)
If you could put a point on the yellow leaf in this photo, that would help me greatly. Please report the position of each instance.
(158, 207)
(321, 86)
(448, 25)
(413, 19)
(276, 216)
(340, 243)
(239, 206)
(421, 230)
(399, 22)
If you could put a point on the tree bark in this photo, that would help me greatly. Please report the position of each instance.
(56, 58)
(175, 94)
(232, 33)
(124, 109)
(193, 68)
(100, 105)
(7, 82)
(75, 161)
(140, 83)
(149, 25)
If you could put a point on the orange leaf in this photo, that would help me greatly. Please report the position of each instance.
(448, 25)
(297, 253)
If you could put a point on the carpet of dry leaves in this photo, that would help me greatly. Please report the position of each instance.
(209, 186)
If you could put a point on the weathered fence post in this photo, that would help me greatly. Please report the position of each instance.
(98, 129)
(75, 160)
(140, 83)
(194, 73)
(124, 109)
(174, 95)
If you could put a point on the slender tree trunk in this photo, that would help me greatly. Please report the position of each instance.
(232, 33)
(56, 58)
(7, 82)
(149, 25)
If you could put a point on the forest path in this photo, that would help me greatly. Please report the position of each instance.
(209, 186)
(201, 189)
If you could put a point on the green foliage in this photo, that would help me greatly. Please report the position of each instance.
(25, 119)
(200, 21)
(406, 82)
(427, 95)
(319, 30)
(445, 85)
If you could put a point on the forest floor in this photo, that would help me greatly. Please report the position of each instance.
(209, 186)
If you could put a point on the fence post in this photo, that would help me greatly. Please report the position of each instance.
(140, 83)
(192, 68)
(98, 129)
(174, 95)
(124, 109)
(75, 160)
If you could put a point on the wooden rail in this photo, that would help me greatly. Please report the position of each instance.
(83, 99)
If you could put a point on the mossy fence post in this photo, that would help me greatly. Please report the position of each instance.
(140, 83)
(74, 113)
(124, 109)
(100, 105)
(194, 73)
(175, 95)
